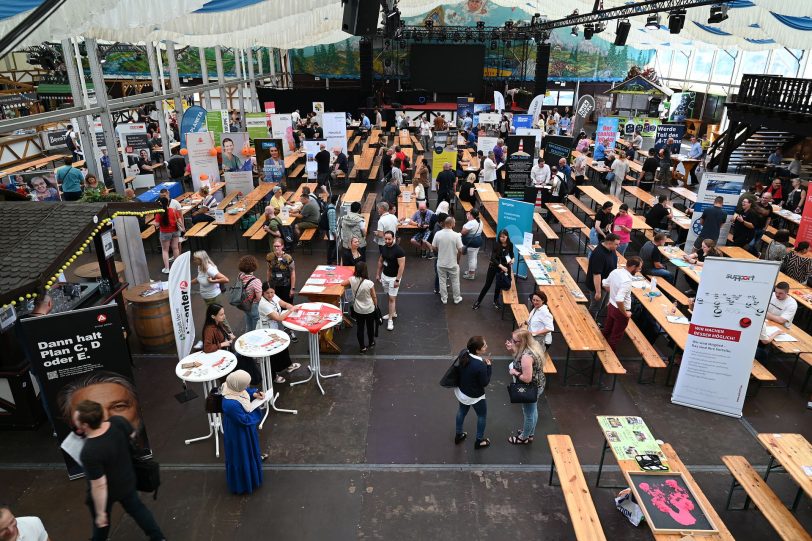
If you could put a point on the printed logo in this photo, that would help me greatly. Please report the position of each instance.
(101, 318)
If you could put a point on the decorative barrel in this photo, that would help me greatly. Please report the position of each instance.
(151, 318)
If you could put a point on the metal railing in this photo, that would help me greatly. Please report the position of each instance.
(776, 92)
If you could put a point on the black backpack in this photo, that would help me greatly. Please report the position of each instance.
(324, 219)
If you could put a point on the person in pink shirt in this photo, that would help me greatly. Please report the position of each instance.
(622, 227)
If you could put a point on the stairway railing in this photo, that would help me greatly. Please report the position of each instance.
(776, 92)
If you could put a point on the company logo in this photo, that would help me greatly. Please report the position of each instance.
(741, 277)
(184, 284)
(101, 318)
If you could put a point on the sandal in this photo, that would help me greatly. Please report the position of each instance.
(460, 437)
(481, 444)
(279, 379)
(517, 440)
(294, 367)
(529, 438)
(263, 457)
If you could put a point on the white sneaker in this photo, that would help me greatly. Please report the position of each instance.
(444, 301)
(390, 325)
(394, 316)
(171, 259)
(165, 271)
(458, 300)
(198, 345)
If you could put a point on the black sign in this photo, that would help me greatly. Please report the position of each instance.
(56, 138)
(518, 164)
(672, 131)
(83, 355)
(555, 148)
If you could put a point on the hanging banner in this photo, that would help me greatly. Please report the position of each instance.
(728, 315)
(517, 218)
(439, 158)
(486, 144)
(669, 131)
(681, 106)
(607, 131)
(180, 303)
(217, 123)
(518, 164)
(202, 157)
(805, 227)
(335, 131)
(647, 126)
(555, 148)
(83, 355)
(522, 121)
(192, 121)
(535, 107)
(318, 108)
(498, 101)
(256, 125)
(282, 129)
(135, 145)
(236, 152)
(586, 104)
(270, 162)
(311, 148)
(713, 185)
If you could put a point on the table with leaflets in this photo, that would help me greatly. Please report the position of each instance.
(324, 285)
(313, 318)
(262, 344)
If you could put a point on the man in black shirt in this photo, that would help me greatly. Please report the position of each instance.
(657, 217)
(446, 184)
(744, 224)
(309, 132)
(386, 164)
(391, 264)
(602, 261)
(712, 220)
(176, 166)
(108, 465)
(323, 166)
(653, 259)
(649, 171)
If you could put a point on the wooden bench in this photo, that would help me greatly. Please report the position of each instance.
(201, 232)
(671, 291)
(649, 356)
(509, 296)
(353, 176)
(369, 203)
(352, 146)
(611, 365)
(148, 232)
(487, 230)
(466, 206)
(760, 373)
(583, 515)
(256, 227)
(416, 144)
(306, 238)
(298, 171)
(373, 171)
(546, 230)
(520, 314)
(776, 513)
(578, 204)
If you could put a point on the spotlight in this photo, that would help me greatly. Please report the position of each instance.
(469, 35)
(508, 24)
(718, 13)
(574, 30)
(622, 32)
(676, 20)
(493, 46)
(600, 27)
(589, 30)
(653, 21)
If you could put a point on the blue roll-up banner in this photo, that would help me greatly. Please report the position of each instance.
(523, 121)
(193, 121)
(517, 218)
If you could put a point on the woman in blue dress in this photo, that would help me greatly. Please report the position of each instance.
(241, 440)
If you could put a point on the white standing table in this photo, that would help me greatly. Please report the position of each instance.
(262, 344)
(318, 316)
(213, 366)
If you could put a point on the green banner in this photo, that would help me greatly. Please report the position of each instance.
(256, 125)
(217, 123)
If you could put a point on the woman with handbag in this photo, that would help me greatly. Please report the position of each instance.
(499, 266)
(528, 381)
(364, 303)
(474, 375)
(472, 240)
(272, 310)
(540, 321)
(240, 437)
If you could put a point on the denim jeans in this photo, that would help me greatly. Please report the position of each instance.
(621, 248)
(661, 273)
(481, 410)
(593, 237)
(134, 507)
(531, 417)
(252, 317)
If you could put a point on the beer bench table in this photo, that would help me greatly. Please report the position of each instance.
(355, 192)
(792, 452)
(569, 223)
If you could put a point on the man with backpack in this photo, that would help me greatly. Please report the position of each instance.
(73, 143)
(327, 224)
(352, 225)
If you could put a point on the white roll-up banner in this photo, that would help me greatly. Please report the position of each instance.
(730, 307)
(712, 185)
(180, 304)
(335, 130)
(498, 101)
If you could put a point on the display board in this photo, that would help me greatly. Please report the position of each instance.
(439, 158)
(669, 131)
(712, 185)
(517, 218)
(202, 156)
(335, 131)
(446, 68)
(607, 131)
(235, 151)
(270, 163)
(217, 123)
(311, 148)
(628, 436)
(669, 504)
(647, 126)
(133, 141)
(518, 164)
(555, 148)
(256, 124)
(282, 129)
(805, 227)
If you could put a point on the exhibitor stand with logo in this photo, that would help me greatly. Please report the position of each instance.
(82, 355)
(729, 311)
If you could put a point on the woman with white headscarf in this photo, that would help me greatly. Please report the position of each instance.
(240, 436)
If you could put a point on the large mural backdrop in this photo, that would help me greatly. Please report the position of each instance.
(572, 57)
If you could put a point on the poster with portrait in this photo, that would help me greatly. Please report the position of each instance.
(669, 504)
(136, 159)
(236, 152)
(83, 355)
(41, 184)
(270, 162)
(282, 128)
(202, 157)
(318, 108)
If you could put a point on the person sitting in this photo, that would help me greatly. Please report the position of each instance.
(207, 204)
(778, 247)
(782, 307)
(776, 190)
(796, 198)
(216, 335)
(797, 264)
(422, 219)
(309, 214)
(657, 217)
(468, 190)
(706, 249)
(653, 259)
(776, 158)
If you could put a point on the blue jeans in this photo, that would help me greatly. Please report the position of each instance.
(531, 417)
(662, 273)
(481, 410)
(593, 237)
(252, 317)
(621, 248)
(134, 507)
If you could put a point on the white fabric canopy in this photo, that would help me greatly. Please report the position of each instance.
(289, 24)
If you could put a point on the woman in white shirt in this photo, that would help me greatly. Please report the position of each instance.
(489, 168)
(272, 310)
(619, 169)
(208, 277)
(540, 321)
(472, 240)
(364, 301)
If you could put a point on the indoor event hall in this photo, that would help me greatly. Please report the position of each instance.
(405, 270)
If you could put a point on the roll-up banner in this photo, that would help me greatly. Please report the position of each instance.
(439, 158)
(133, 141)
(217, 123)
(517, 218)
(192, 121)
(712, 185)
(669, 131)
(256, 125)
(805, 227)
(83, 355)
(282, 129)
(607, 131)
(486, 144)
(465, 105)
(522, 121)
(180, 304)
(203, 164)
(729, 311)
(335, 131)
(586, 104)
(518, 164)
(311, 149)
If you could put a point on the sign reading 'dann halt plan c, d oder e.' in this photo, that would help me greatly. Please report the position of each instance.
(729, 310)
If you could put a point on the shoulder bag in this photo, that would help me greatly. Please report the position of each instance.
(451, 378)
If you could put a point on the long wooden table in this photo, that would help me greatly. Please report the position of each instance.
(568, 222)
(792, 452)
(559, 275)
(404, 139)
(638, 222)
(406, 209)
(486, 193)
(684, 193)
(355, 192)
(471, 161)
(364, 161)
(32, 164)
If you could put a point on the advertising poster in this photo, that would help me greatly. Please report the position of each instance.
(586, 104)
(133, 141)
(805, 227)
(256, 125)
(270, 163)
(517, 218)
(629, 436)
(465, 105)
(607, 131)
(83, 355)
(335, 131)
(318, 108)
(486, 144)
(712, 185)
(522, 121)
(555, 148)
(239, 181)
(550, 98)
(203, 164)
(669, 131)
(192, 121)
(311, 149)
(217, 123)
(282, 129)
(180, 304)
(647, 126)
(480, 108)
(439, 158)
(681, 106)
(489, 119)
(236, 155)
(518, 164)
(730, 307)
(536, 133)
(43, 184)
(270, 108)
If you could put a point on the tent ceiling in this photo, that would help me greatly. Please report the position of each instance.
(289, 24)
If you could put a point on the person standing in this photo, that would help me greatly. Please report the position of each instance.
(619, 169)
(527, 366)
(622, 227)
(619, 283)
(71, 180)
(281, 272)
(169, 224)
(602, 261)
(272, 311)
(364, 301)
(472, 240)
(107, 461)
(20, 528)
(711, 220)
(489, 169)
(637, 145)
(649, 168)
(386, 222)
(665, 164)
(425, 135)
(446, 184)
(500, 262)
(323, 166)
(253, 289)
(350, 226)
(448, 245)
(391, 264)
(209, 278)
(474, 375)
(240, 436)
(694, 154)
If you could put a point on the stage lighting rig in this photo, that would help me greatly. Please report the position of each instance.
(589, 31)
(718, 13)
(676, 20)
(653, 21)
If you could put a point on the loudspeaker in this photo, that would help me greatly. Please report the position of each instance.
(542, 67)
(654, 107)
(365, 62)
(622, 32)
(361, 17)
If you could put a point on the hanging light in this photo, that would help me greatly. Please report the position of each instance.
(718, 13)
(574, 30)
(653, 21)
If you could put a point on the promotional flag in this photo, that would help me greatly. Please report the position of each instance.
(498, 101)
(582, 111)
(192, 121)
(729, 311)
(535, 106)
(180, 303)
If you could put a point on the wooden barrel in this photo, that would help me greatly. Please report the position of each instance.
(151, 318)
